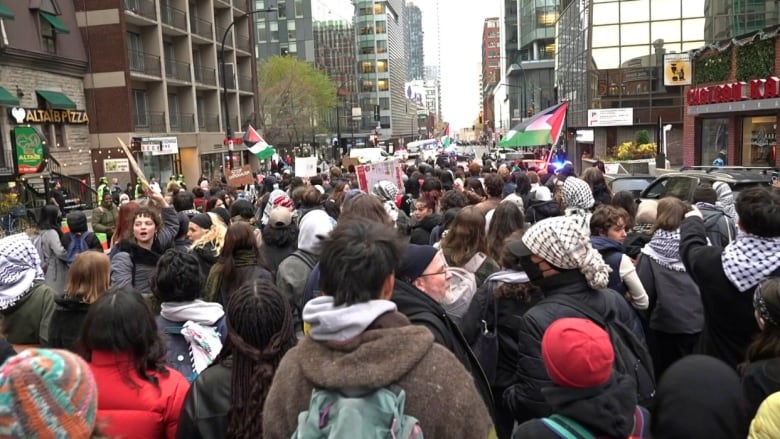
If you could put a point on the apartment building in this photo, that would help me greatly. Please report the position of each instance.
(155, 81)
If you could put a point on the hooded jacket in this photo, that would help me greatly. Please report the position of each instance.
(421, 231)
(524, 398)
(66, 321)
(606, 411)
(539, 210)
(422, 310)
(439, 391)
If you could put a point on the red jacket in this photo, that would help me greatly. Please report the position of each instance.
(142, 411)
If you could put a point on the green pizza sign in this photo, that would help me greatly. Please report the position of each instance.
(29, 144)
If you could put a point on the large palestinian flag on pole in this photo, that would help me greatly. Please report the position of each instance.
(444, 136)
(542, 129)
(257, 145)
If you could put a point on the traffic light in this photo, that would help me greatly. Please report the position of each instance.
(376, 113)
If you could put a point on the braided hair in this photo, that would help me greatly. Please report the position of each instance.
(260, 332)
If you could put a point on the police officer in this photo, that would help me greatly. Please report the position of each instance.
(139, 188)
(102, 189)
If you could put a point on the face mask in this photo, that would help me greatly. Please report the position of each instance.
(531, 269)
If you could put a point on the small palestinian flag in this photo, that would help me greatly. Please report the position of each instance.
(257, 145)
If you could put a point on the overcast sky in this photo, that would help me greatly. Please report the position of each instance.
(461, 51)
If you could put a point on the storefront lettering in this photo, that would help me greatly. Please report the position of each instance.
(734, 92)
(41, 115)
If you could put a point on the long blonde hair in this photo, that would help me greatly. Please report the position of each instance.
(88, 277)
(214, 235)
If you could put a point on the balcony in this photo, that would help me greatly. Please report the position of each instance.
(173, 17)
(183, 122)
(142, 8)
(201, 28)
(243, 43)
(240, 5)
(245, 84)
(177, 70)
(205, 75)
(144, 63)
(220, 34)
(208, 122)
(221, 4)
(150, 121)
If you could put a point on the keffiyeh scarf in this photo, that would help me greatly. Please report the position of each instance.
(750, 259)
(664, 249)
(20, 266)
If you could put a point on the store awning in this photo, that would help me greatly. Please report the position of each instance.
(5, 12)
(56, 100)
(6, 98)
(55, 22)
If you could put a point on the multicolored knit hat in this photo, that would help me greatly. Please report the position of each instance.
(47, 393)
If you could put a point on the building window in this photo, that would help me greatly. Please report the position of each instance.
(259, 4)
(281, 11)
(298, 8)
(293, 48)
(381, 27)
(261, 34)
(383, 84)
(381, 66)
(758, 140)
(274, 31)
(55, 134)
(367, 85)
(367, 67)
(384, 103)
(173, 109)
(381, 46)
(366, 29)
(136, 52)
(141, 115)
(291, 31)
(48, 37)
(200, 105)
(379, 8)
(366, 47)
(713, 139)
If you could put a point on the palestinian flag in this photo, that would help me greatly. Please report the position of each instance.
(542, 129)
(445, 135)
(257, 145)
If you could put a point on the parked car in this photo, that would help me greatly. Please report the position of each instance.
(626, 182)
(682, 184)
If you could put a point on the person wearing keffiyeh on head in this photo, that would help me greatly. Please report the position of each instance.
(26, 302)
(557, 256)
(727, 276)
(386, 191)
(577, 201)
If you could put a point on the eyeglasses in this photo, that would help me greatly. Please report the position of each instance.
(443, 271)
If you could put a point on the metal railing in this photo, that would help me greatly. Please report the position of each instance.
(205, 75)
(150, 121)
(183, 122)
(243, 43)
(201, 27)
(142, 62)
(144, 8)
(208, 122)
(245, 83)
(6, 161)
(173, 17)
(177, 70)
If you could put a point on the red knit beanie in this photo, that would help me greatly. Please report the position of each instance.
(577, 353)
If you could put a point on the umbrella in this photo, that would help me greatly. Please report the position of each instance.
(541, 129)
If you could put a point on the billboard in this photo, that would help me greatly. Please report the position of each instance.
(677, 69)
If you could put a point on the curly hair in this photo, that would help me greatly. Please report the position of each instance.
(260, 332)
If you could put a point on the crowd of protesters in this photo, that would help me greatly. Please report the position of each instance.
(483, 301)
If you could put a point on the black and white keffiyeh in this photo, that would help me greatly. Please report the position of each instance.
(20, 265)
(664, 249)
(576, 194)
(562, 242)
(750, 259)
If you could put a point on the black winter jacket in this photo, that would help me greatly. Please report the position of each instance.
(421, 309)
(207, 405)
(421, 232)
(729, 325)
(539, 210)
(759, 380)
(66, 321)
(524, 398)
(606, 411)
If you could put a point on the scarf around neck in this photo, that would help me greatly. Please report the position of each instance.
(664, 249)
(749, 259)
(342, 323)
(197, 311)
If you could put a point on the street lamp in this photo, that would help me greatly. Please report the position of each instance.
(228, 128)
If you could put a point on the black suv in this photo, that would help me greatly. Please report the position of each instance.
(682, 184)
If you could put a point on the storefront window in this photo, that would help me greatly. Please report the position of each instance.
(714, 138)
(160, 166)
(758, 140)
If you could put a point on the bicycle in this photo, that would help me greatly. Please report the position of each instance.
(14, 221)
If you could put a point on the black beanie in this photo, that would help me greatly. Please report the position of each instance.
(414, 262)
(77, 222)
(184, 224)
(704, 193)
(203, 220)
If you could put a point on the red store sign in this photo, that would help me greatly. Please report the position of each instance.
(734, 92)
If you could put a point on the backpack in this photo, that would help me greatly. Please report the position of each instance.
(631, 355)
(485, 347)
(373, 415)
(78, 244)
(463, 286)
(718, 235)
(567, 428)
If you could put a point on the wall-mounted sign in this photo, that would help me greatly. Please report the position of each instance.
(29, 144)
(677, 69)
(116, 165)
(585, 136)
(610, 117)
(160, 145)
(43, 115)
(735, 91)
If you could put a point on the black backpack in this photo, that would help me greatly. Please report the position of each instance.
(631, 355)
(720, 230)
